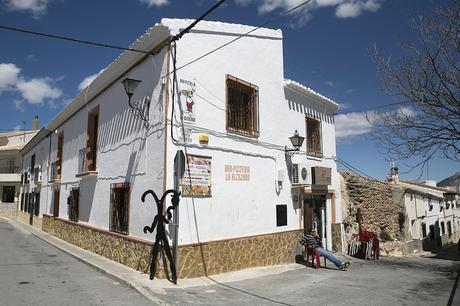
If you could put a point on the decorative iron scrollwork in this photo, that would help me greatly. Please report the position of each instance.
(159, 222)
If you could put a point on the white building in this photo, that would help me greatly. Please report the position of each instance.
(246, 201)
(432, 213)
(10, 168)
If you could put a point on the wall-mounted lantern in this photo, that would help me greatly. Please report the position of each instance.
(296, 141)
(142, 109)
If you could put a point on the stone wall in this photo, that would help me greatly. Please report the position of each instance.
(380, 203)
(8, 210)
(25, 218)
(194, 260)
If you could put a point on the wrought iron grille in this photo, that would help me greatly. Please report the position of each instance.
(242, 107)
(120, 208)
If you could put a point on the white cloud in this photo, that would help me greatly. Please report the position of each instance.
(351, 9)
(35, 91)
(151, 3)
(349, 91)
(19, 105)
(353, 124)
(344, 106)
(343, 8)
(8, 76)
(360, 123)
(36, 7)
(88, 80)
(330, 83)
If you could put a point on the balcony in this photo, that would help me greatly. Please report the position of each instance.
(83, 165)
(55, 177)
(10, 175)
(37, 177)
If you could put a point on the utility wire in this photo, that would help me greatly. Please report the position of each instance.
(245, 34)
(72, 39)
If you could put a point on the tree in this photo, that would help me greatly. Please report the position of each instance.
(427, 79)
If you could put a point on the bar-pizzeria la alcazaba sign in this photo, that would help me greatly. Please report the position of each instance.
(237, 173)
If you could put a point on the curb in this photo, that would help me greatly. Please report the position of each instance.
(67, 249)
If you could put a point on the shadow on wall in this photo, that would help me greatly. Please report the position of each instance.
(88, 185)
(309, 107)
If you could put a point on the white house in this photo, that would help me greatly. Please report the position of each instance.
(10, 167)
(432, 212)
(246, 198)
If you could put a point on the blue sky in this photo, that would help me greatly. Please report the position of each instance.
(327, 46)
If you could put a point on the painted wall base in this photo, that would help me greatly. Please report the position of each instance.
(194, 260)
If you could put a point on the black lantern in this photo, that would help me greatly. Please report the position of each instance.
(130, 86)
(296, 141)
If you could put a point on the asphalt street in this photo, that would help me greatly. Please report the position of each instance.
(33, 272)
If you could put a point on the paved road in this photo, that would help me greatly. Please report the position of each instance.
(32, 272)
(389, 281)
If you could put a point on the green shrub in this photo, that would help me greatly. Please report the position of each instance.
(384, 236)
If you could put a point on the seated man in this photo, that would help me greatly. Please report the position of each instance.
(314, 241)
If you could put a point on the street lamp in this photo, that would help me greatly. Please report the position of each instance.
(130, 86)
(141, 109)
(296, 142)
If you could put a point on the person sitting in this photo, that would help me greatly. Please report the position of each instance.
(312, 240)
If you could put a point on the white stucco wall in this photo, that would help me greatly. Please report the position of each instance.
(243, 208)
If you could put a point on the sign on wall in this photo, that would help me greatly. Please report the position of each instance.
(237, 173)
(321, 175)
(187, 99)
(197, 181)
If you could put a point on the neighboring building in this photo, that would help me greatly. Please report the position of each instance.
(245, 201)
(432, 212)
(10, 168)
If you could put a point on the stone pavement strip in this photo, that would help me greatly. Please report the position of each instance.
(431, 279)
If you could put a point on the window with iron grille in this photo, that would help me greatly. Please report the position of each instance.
(74, 204)
(119, 221)
(313, 137)
(242, 107)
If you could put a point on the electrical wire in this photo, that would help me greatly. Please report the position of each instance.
(72, 39)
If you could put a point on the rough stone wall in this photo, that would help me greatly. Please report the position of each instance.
(8, 210)
(217, 257)
(381, 205)
(25, 218)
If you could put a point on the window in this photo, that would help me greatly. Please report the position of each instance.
(91, 137)
(443, 229)
(74, 204)
(57, 194)
(57, 170)
(313, 137)
(22, 201)
(449, 228)
(32, 166)
(281, 215)
(8, 194)
(242, 107)
(423, 230)
(119, 208)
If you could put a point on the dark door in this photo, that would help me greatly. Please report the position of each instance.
(315, 215)
(8, 194)
(57, 194)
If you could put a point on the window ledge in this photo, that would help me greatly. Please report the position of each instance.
(86, 174)
(55, 181)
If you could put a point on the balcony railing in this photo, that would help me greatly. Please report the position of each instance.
(37, 174)
(9, 170)
(82, 165)
(54, 173)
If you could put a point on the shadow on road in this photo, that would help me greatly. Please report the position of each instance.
(447, 253)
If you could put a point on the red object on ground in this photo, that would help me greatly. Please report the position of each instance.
(366, 236)
(311, 252)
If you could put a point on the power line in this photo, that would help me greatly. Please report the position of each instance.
(245, 34)
(72, 39)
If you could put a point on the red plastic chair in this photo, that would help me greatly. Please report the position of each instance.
(311, 252)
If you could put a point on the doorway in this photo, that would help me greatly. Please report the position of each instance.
(314, 216)
(57, 194)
